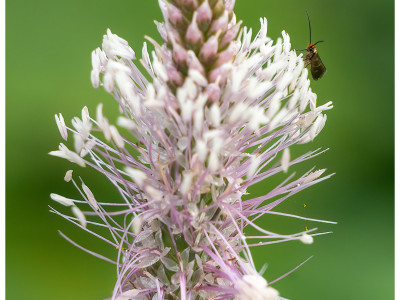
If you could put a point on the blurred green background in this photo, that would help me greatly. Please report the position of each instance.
(48, 45)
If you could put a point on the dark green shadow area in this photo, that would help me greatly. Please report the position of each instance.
(48, 45)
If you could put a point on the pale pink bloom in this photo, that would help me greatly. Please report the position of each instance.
(218, 115)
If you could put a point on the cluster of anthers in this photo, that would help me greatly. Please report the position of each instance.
(215, 113)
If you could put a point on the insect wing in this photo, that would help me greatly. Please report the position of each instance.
(317, 67)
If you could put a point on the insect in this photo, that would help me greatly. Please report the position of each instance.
(312, 57)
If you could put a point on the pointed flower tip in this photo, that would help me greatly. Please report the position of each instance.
(67, 154)
(61, 126)
(68, 176)
(137, 175)
(62, 200)
(79, 215)
(254, 286)
(90, 196)
(137, 224)
(285, 160)
(313, 175)
(119, 141)
(114, 46)
(254, 164)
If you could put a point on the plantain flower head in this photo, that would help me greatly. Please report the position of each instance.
(214, 113)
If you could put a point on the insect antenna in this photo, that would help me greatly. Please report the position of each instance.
(309, 25)
(318, 42)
